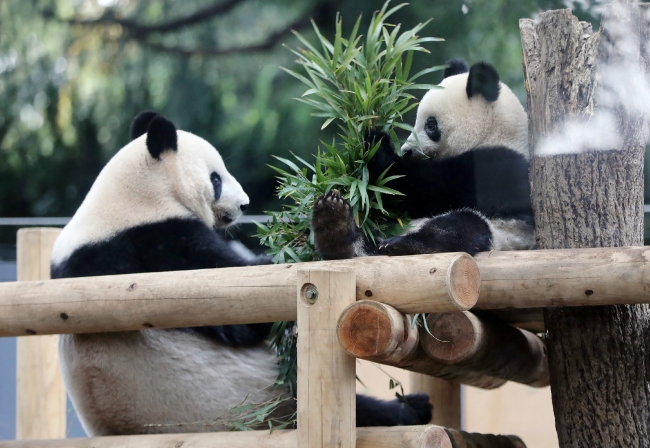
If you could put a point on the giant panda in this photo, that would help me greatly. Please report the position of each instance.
(464, 175)
(153, 208)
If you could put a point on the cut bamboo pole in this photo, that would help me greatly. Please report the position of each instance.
(421, 283)
(394, 437)
(326, 374)
(379, 333)
(444, 396)
(40, 394)
(479, 344)
(564, 277)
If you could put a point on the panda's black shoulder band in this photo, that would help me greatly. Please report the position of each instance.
(140, 124)
(161, 136)
(483, 80)
(455, 67)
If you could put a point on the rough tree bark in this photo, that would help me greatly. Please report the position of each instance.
(598, 356)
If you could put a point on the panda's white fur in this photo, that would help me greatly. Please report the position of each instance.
(121, 382)
(483, 124)
(153, 208)
(133, 189)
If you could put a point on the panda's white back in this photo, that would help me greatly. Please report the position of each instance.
(120, 383)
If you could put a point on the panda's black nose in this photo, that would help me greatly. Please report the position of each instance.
(243, 207)
(407, 152)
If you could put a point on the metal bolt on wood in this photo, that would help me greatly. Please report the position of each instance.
(311, 293)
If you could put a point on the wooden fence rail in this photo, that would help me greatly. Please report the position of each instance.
(423, 283)
(397, 286)
(429, 436)
(415, 284)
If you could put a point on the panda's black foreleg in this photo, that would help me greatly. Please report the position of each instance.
(336, 235)
(458, 231)
(413, 409)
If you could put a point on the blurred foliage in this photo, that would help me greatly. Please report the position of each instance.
(73, 73)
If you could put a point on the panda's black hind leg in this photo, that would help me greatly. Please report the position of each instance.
(334, 228)
(413, 409)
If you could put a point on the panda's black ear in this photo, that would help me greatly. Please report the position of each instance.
(455, 67)
(161, 136)
(483, 80)
(140, 124)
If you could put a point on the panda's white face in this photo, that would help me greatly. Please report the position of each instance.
(201, 182)
(449, 122)
(162, 174)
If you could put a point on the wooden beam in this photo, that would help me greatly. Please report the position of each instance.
(421, 283)
(326, 374)
(379, 333)
(40, 394)
(444, 396)
(395, 437)
(482, 345)
(564, 277)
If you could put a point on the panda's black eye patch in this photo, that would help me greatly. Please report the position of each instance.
(432, 129)
(216, 184)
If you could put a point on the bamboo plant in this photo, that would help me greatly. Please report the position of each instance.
(358, 85)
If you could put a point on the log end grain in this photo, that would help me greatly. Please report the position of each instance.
(372, 330)
(463, 281)
(456, 336)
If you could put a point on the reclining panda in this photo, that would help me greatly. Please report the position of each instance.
(464, 175)
(153, 208)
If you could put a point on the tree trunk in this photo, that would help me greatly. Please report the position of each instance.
(588, 134)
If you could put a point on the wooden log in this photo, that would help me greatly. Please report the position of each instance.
(493, 348)
(462, 439)
(421, 283)
(326, 374)
(379, 333)
(564, 277)
(40, 394)
(444, 396)
(395, 437)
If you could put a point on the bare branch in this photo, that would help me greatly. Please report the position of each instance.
(142, 30)
(271, 41)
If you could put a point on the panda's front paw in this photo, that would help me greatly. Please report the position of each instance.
(401, 245)
(333, 226)
(385, 155)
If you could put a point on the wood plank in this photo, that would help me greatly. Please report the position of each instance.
(428, 436)
(326, 374)
(40, 394)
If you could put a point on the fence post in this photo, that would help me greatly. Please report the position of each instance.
(326, 374)
(40, 394)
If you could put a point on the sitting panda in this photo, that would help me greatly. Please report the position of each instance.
(464, 175)
(153, 208)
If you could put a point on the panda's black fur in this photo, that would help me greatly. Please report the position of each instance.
(120, 382)
(455, 200)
